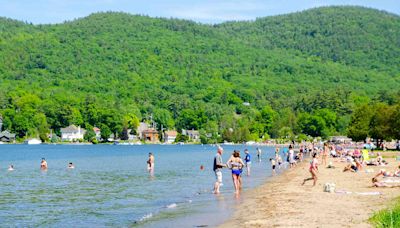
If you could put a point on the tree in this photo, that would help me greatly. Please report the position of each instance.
(359, 125)
(381, 122)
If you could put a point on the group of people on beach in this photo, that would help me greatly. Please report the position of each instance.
(356, 160)
(237, 165)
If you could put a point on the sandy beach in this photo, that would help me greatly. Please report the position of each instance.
(284, 202)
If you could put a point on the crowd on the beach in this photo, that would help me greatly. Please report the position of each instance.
(356, 159)
(237, 165)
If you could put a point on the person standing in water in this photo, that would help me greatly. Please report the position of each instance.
(43, 164)
(247, 160)
(273, 165)
(150, 163)
(70, 166)
(292, 161)
(235, 163)
(11, 168)
(217, 167)
(258, 154)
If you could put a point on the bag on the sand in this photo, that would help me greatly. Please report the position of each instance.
(329, 187)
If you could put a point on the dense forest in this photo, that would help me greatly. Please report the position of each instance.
(320, 72)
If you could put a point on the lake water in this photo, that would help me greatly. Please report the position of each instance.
(110, 185)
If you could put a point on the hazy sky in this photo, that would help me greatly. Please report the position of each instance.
(206, 11)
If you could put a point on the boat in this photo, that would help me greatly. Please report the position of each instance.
(33, 141)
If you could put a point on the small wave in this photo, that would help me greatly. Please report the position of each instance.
(172, 205)
(145, 217)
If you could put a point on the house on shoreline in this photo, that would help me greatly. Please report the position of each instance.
(6, 136)
(72, 133)
(170, 136)
(193, 135)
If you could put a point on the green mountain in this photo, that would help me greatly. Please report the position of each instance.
(108, 68)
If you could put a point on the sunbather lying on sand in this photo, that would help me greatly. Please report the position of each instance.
(376, 183)
(385, 173)
(351, 167)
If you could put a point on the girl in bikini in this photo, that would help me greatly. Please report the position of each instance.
(313, 170)
(236, 164)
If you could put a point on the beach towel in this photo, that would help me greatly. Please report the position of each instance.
(368, 193)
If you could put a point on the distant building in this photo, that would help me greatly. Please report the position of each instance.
(193, 135)
(72, 133)
(131, 136)
(170, 136)
(97, 131)
(6, 136)
(142, 127)
(150, 135)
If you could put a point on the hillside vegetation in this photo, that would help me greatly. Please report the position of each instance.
(297, 74)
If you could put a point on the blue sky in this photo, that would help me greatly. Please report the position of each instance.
(205, 11)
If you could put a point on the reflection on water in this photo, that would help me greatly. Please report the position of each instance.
(110, 185)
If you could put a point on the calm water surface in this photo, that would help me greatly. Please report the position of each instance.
(110, 185)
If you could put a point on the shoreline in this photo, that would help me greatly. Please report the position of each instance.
(283, 202)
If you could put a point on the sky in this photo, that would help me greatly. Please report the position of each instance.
(204, 11)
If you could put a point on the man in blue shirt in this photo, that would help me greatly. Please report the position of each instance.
(247, 161)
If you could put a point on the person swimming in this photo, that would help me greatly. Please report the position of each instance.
(71, 166)
(43, 164)
(11, 168)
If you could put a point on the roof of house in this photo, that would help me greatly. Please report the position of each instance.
(171, 133)
(192, 132)
(7, 134)
(96, 129)
(71, 128)
(150, 130)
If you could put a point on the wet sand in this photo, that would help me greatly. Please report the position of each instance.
(284, 202)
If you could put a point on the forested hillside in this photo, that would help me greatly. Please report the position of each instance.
(296, 74)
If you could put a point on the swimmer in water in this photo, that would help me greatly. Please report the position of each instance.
(11, 168)
(71, 166)
(43, 164)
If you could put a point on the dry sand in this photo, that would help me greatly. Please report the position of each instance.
(283, 202)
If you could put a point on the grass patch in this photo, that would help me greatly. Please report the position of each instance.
(388, 217)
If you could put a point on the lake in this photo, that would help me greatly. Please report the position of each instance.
(110, 185)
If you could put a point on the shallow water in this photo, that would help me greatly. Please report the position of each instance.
(110, 185)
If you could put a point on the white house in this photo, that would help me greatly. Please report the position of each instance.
(170, 136)
(72, 133)
(97, 131)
